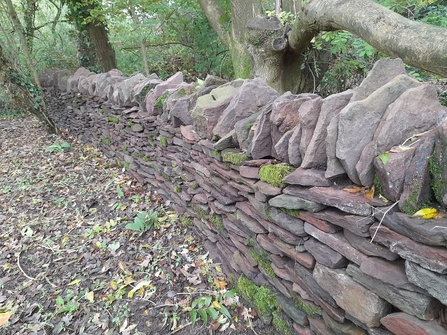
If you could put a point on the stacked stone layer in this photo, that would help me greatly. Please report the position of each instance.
(315, 235)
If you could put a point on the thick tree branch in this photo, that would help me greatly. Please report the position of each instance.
(417, 44)
(215, 15)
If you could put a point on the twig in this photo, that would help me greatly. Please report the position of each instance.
(251, 327)
(182, 327)
(415, 135)
(24, 273)
(13, 196)
(385, 213)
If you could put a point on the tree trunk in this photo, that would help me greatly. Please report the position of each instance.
(24, 96)
(143, 49)
(86, 52)
(105, 55)
(232, 32)
(417, 44)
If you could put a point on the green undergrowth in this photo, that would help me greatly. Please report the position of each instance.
(261, 257)
(274, 174)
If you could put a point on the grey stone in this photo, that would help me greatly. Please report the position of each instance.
(392, 174)
(293, 151)
(325, 255)
(290, 223)
(309, 113)
(282, 147)
(426, 231)
(292, 202)
(137, 128)
(430, 258)
(433, 283)
(315, 156)
(72, 81)
(289, 307)
(284, 116)
(334, 167)
(211, 80)
(244, 131)
(355, 299)
(307, 177)
(419, 305)
(417, 190)
(261, 146)
(249, 98)
(141, 89)
(330, 196)
(440, 162)
(226, 142)
(384, 70)
(208, 109)
(359, 120)
(369, 248)
(345, 328)
(337, 242)
(126, 87)
(153, 95)
(415, 111)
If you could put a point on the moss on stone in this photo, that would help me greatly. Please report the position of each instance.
(106, 141)
(438, 183)
(236, 158)
(129, 123)
(113, 119)
(177, 189)
(291, 212)
(274, 174)
(163, 141)
(194, 186)
(186, 221)
(281, 326)
(199, 211)
(377, 186)
(263, 300)
(124, 147)
(216, 220)
(261, 257)
(161, 100)
(309, 310)
(166, 176)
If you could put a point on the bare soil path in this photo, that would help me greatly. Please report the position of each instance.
(69, 265)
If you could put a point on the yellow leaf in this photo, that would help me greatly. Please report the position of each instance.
(370, 194)
(354, 189)
(4, 317)
(427, 213)
(138, 287)
(74, 282)
(113, 285)
(65, 239)
(216, 304)
(220, 284)
(90, 296)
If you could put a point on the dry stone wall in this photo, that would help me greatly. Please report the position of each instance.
(339, 260)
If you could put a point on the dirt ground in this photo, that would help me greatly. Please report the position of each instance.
(85, 249)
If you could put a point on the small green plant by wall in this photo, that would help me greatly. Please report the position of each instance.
(274, 174)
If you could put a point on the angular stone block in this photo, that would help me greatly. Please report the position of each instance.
(404, 324)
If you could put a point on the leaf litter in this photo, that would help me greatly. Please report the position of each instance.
(68, 263)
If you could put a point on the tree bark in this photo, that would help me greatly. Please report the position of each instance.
(417, 44)
(105, 55)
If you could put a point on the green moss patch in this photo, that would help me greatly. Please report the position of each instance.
(236, 158)
(274, 174)
(113, 119)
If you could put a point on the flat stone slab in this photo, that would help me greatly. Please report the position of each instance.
(318, 223)
(433, 283)
(304, 258)
(404, 324)
(358, 225)
(307, 177)
(413, 303)
(369, 248)
(431, 258)
(426, 231)
(347, 202)
(337, 242)
(355, 299)
(346, 327)
(325, 255)
(293, 202)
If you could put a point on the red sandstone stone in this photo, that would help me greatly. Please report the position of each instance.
(404, 324)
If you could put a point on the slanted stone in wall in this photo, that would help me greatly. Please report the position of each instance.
(249, 99)
(346, 327)
(325, 255)
(434, 283)
(281, 147)
(244, 131)
(337, 242)
(72, 82)
(416, 190)
(383, 71)
(262, 143)
(157, 92)
(309, 113)
(334, 167)
(355, 299)
(315, 155)
(293, 150)
(430, 258)
(368, 247)
(359, 120)
(293, 202)
(416, 111)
